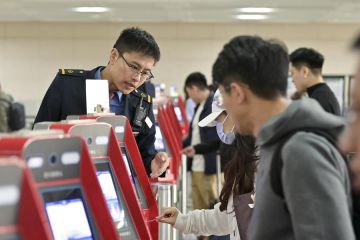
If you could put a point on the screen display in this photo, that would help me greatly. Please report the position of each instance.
(159, 141)
(135, 181)
(337, 85)
(116, 208)
(178, 114)
(67, 215)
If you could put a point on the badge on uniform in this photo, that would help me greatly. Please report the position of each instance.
(148, 122)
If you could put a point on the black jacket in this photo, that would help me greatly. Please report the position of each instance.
(207, 135)
(324, 95)
(67, 96)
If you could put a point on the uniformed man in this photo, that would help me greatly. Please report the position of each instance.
(131, 59)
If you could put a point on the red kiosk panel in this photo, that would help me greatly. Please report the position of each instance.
(66, 180)
(22, 214)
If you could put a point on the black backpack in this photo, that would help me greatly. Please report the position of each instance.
(16, 115)
(277, 164)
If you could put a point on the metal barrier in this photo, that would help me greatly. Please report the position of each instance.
(166, 196)
(183, 184)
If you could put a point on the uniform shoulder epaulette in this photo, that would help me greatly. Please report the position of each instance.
(145, 96)
(71, 72)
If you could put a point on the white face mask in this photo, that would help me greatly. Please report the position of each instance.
(227, 138)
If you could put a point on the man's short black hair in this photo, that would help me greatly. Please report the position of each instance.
(137, 40)
(196, 79)
(250, 60)
(308, 57)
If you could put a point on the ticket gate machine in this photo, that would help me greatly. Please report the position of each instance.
(66, 180)
(130, 152)
(172, 141)
(111, 168)
(179, 109)
(22, 213)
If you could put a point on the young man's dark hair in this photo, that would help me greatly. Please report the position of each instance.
(309, 57)
(137, 40)
(260, 67)
(196, 79)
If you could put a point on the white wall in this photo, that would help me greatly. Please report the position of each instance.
(31, 53)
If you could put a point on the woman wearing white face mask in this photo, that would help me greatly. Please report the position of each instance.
(239, 179)
(224, 127)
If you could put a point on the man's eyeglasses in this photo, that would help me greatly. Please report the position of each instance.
(144, 75)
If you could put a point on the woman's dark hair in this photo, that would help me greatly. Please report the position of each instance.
(240, 170)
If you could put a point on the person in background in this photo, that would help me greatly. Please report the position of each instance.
(316, 200)
(306, 72)
(202, 167)
(222, 144)
(129, 66)
(4, 111)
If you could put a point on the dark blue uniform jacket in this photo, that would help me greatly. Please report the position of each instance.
(67, 96)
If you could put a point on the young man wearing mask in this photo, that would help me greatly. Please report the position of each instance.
(131, 60)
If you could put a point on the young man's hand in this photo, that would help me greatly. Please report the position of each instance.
(159, 164)
(168, 215)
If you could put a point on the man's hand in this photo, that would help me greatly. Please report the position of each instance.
(168, 215)
(159, 164)
(189, 151)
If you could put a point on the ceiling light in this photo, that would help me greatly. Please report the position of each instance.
(251, 17)
(256, 10)
(91, 9)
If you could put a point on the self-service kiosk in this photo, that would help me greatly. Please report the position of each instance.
(175, 123)
(139, 177)
(22, 214)
(179, 108)
(66, 181)
(114, 174)
(174, 144)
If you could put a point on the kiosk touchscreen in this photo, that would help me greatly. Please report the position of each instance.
(135, 181)
(115, 200)
(65, 208)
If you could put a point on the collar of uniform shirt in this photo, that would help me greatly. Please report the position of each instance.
(98, 77)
